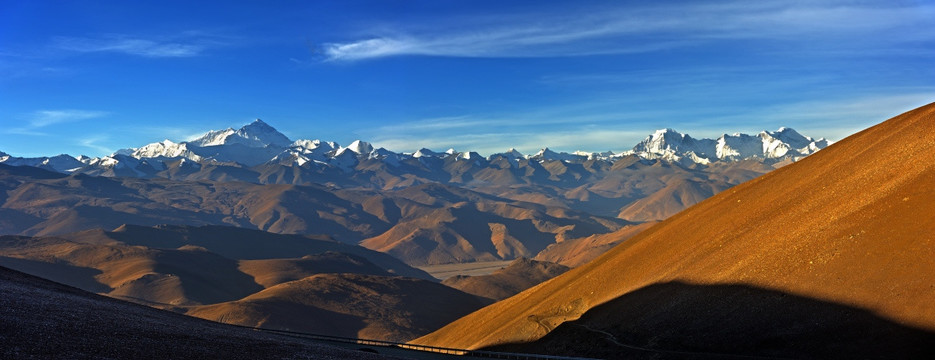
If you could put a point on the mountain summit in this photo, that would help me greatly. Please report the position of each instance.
(672, 145)
(255, 134)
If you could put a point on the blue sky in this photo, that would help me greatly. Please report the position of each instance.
(91, 77)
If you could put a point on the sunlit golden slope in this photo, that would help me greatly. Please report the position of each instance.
(852, 225)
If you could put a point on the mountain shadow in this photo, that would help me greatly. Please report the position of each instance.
(677, 320)
(42, 319)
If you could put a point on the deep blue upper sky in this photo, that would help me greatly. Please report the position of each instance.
(90, 77)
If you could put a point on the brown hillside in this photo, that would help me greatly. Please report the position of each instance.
(45, 320)
(442, 224)
(575, 252)
(270, 272)
(162, 276)
(240, 244)
(671, 199)
(349, 305)
(520, 275)
(850, 225)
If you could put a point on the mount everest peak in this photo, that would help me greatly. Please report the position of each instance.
(255, 134)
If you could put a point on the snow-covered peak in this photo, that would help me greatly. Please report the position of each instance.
(387, 156)
(423, 152)
(471, 155)
(166, 148)
(511, 154)
(738, 146)
(668, 144)
(668, 140)
(790, 137)
(360, 147)
(314, 144)
(213, 137)
(255, 134)
(606, 155)
(548, 154)
(61, 163)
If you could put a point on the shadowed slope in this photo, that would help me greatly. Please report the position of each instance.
(520, 275)
(165, 276)
(851, 225)
(270, 272)
(45, 320)
(349, 305)
(675, 320)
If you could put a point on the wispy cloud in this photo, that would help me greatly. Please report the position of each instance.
(567, 127)
(528, 142)
(44, 118)
(35, 121)
(94, 144)
(643, 29)
(186, 45)
(839, 118)
(593, 127)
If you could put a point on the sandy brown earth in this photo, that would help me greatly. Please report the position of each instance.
(40, 319)
(186, 276)
(348, 305)
(442, 224)
(575, 252)
(271, 272)
(239, 243)
(850, 226)
(330, 293)
(520, 275)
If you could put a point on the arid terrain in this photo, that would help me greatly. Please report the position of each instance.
(46, 320)
(827, 257)
(245, 277)
(530, 180)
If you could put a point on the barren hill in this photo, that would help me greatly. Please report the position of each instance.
(46, 320)
(850, 226)
(420, 224)
(271, 272)
(349, 305)
(574, 252)
(184, 276)
(240, 244)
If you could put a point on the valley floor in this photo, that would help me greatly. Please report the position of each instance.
(444, 271)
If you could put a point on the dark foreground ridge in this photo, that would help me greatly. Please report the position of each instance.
(684, 321)
(41, 319)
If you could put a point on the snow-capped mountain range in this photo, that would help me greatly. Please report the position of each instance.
(259, 143)
(671, 145)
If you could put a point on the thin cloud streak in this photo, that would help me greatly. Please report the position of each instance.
(93, 143)
(130, 46)
(525, 142)
(616, 31)
(44, 118)
(832, 119)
